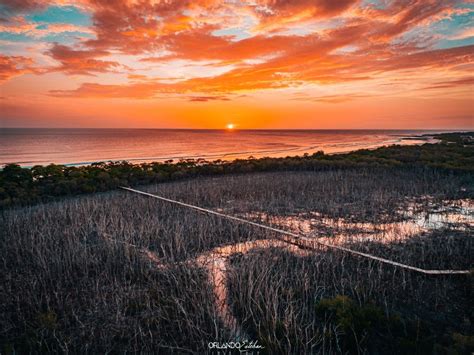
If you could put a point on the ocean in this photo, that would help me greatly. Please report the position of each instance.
(29, 147)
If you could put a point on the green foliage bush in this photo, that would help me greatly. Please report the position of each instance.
(19, 186)
(367, 327)
(356, 322)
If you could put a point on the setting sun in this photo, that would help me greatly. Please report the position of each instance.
(230, 126)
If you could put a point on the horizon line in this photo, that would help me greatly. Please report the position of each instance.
(244, 129)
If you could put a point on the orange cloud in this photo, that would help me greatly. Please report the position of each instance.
(468, 81)
(11, 66)
(207, 98)
(136, 90)
(333, 99)
(81, 61)
(401, 16)
(271, 75)
(23, 5)
(275, 13)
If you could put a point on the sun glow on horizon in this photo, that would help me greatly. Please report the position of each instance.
(230, 126)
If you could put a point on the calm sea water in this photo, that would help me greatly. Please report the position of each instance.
(29, 147)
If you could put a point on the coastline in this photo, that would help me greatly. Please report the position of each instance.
(454, 152)
(282, 146)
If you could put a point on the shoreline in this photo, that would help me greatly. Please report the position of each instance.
(19, 186)
(330, 149)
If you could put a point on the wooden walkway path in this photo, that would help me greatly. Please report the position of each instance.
(300, 240)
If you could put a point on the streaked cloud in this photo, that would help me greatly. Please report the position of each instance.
(11, 66)
(213, 51)
(463, 34)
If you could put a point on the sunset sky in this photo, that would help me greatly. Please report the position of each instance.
(256, 64)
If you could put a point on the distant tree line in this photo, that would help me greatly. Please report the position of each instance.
(19, 186)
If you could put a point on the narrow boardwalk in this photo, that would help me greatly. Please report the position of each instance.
(215, 261)
(302, 241)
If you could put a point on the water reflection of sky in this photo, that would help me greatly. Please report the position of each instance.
(82, 146)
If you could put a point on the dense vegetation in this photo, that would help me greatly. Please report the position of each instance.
(19, 186)
(76, 276)
(333, 303)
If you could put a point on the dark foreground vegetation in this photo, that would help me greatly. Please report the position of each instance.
(20, 186)
(75, 275)
(115, 272)
(333, 303)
